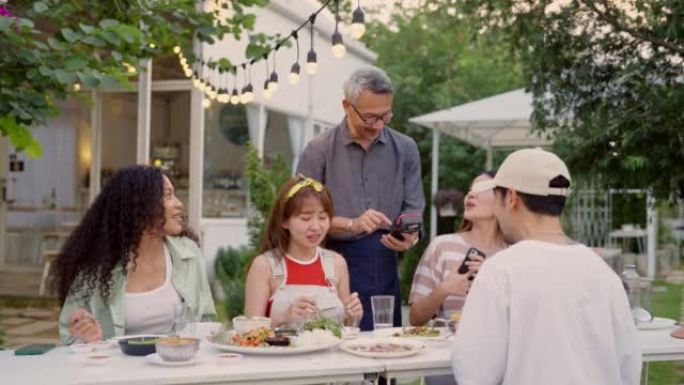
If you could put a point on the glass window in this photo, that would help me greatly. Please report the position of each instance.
(226, 134)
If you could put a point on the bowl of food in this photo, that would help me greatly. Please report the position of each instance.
(243, 324)
(138, 346)
(177, 349)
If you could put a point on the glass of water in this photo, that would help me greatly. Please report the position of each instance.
(383, 311)
(184, 321)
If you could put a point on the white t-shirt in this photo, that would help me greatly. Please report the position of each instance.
(152, 312)
(543, 313)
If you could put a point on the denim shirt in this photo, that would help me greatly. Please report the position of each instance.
(189, 278)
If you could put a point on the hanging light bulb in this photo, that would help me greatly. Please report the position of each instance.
(77, 87)
(203, 86)
(338, 48)
(267, 91)
(211, 92)
(273, 79)
(177, 50)
(196, 82)
(223, 96)
(273, 82)
(235, 98)
(187, 72)
(311, 62)
(206, 103)
(129, 68)
(293, 77)
(358, 28)
(247, 94)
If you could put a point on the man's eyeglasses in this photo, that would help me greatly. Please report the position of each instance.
(371, 120)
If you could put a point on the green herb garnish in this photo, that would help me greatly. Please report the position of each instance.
(324, 323)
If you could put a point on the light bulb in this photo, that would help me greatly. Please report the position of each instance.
(358, 28)
(196, 82)
(235, 98)
(206, 103)
(188, 72)
(267, 93)
(77, 87)
(176, 50)
(338, 48)
(311, 64)
(273, 82)
(293, 77)
(153, 46)
(202, 86)
(223, 96)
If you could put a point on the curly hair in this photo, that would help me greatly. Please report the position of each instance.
(110, 232)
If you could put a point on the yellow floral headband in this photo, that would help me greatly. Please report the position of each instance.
(305, 182)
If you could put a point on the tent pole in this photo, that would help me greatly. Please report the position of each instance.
(651, 234)
(434, 183)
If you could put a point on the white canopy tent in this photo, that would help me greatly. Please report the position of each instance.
(499, 121)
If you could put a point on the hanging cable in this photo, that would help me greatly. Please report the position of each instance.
(311, 62)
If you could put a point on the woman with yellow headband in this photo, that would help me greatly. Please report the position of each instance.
(293, 279)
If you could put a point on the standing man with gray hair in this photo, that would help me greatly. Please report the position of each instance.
(373, 173)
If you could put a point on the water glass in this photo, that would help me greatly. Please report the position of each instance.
(383, 311)
(185, 321)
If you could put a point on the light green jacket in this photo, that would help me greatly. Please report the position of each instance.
(189, 278)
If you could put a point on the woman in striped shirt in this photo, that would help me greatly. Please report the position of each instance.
(438, 289)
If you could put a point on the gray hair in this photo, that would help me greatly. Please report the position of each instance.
(371, 79)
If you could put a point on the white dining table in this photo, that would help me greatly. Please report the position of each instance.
(61, 367)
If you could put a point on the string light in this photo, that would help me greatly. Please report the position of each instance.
(77, 87)
(293, 77)
(311, 62)
(358, 28)
(338, 48)
(222, 92)
(176, 50)
(206, 103)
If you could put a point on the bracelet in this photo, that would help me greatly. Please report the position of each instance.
(350, 226)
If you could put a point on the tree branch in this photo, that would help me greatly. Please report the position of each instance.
(614, 22)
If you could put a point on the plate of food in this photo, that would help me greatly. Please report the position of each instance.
(426, 333)
(656, 323)
(264, 341)
(389, 347)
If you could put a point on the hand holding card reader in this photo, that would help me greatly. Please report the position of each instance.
(406, 223)
(470, 256)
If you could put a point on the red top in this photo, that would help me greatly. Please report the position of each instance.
(305, 273)
(302, 274)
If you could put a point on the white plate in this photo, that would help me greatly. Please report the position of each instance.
(272, 350)
(657, 323)
(415, 347)
(155, 359)
(398, 332)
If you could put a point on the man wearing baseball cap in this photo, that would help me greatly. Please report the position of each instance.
(546, 310)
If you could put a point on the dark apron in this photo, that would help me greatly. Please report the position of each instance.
(372, 271)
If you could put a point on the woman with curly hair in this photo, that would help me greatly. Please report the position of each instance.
(131, 263)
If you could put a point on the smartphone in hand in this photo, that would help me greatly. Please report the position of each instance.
(406, 223)
(470, 256)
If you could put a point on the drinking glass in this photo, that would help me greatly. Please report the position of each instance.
(185, 321)
(383, 311)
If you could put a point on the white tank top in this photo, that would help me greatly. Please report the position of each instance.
(152, 312)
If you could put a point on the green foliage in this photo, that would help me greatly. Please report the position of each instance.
(666, 303)
(609, 77)
(264, 182)
(50, 45)
(230, 269)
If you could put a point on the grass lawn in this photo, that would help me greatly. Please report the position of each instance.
(667, 304)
